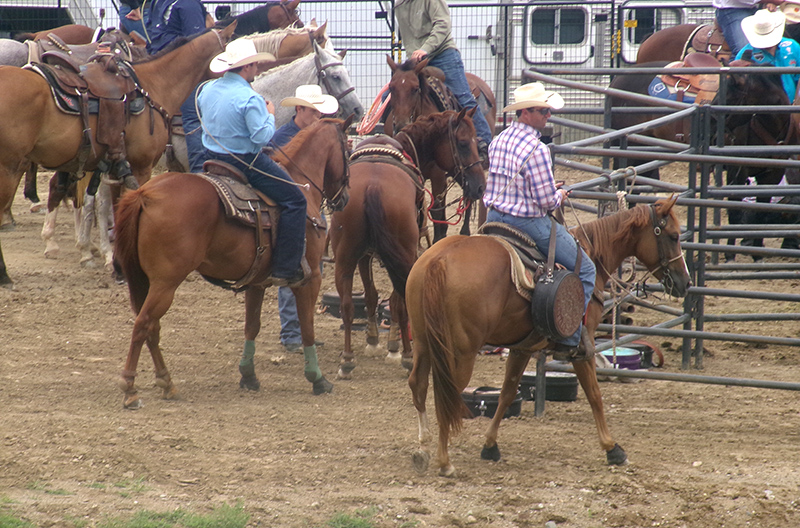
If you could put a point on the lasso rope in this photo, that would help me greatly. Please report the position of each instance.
(372, 117)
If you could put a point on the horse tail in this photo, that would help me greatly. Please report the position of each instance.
(450, 407)
(126, 246)
(381, 239)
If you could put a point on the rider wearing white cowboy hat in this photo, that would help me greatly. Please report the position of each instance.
(237, 54)
(310, 104)
(534, 95)
(768, 46)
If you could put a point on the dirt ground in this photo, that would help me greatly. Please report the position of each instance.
(700, 455)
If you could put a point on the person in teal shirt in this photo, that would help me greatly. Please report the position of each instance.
(768, 47)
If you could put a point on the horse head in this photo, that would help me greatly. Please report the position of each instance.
(461, 159)
(334, 78)
(747, 89)
(660, 251)
(337, 170)
(408, 91)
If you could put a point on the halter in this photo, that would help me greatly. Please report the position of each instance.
(322, 75)
(661, 242)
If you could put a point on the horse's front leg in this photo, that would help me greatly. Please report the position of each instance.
(253, 301)
(344, 286)
(587, 376)
(515, 367)
(306, 297)
(84, 220)
(30, 191)
(58, 191)
(105, 223)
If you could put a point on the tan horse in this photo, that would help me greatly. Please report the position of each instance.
(35, 129)
(460, 296)
(175, 224)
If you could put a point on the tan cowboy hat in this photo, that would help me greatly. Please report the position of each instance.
(764, 29)
(311, 95)
(238, 53)
(534, 95)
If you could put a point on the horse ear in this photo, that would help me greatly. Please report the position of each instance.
(347, 122)
(471, 111)
(227, 33)
(291, 5)
(665, 205)
(420, 65)
(461, 115)
(342, 53)
(392, 64)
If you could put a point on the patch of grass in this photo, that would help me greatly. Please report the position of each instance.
(97, 485)
(131, 486)
(76, 522)
(38, 485)
(11, 521)
(224, 516)
(359, 519)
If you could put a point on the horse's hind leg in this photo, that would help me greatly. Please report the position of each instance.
(253, 301)
(371, 303)
(30, 191)
(105, 219)
(587, 376)
(58, 191)
(418, 383)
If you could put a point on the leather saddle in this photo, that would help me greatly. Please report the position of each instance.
(441, 95)
(708, 39)
(527, 261)
(53, 50)
(702, 87)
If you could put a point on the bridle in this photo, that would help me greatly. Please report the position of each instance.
(662, 243)
(459, 169)
(322, 75)
(290, 15)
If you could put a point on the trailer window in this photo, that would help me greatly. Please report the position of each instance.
(649, 20)
(558, 26)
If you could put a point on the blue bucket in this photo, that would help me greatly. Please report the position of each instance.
(627, 358)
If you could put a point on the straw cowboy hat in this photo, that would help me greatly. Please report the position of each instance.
(311, 95)
(764, 29)
(533, 95)
(238, 53)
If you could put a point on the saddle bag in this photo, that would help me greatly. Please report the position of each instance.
(557, 299)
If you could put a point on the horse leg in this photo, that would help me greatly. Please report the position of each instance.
(84, 220)
(306, 297)
(344, 286)
(253, 300)
(371, 303)
(9, 180)
(467, 217)
(438, 215)
(398, 332)
(515, 367)
(587, 376)
(29, 191)
(105, 220)
(418, 383)
(58, 191)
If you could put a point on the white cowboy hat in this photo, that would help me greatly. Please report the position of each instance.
(791, 10)
(238, 53)
(764, 29)
(311, 95)
(532, 95)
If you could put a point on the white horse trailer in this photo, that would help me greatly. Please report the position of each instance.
(23, 16)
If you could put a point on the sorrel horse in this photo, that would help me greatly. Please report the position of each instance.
(324, 67)
(175, 224)
(382, 219)
(69, 34)
(411, 97)
(460, 296)
(271, 15)
(36, 130)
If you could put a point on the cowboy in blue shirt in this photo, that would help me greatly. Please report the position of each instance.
(170, 19)
(768, 46)
(237, 123)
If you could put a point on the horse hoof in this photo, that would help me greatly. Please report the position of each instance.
(342, 375)
(491, 453)
(132, 403)
(447, 471)
(421, 459)
(393, 357)
(88, 264)
(250, 383)
(372, 350)
(36, 207)
(322, 386)
(616, 456)
(407, 363)
(393, 346)
(51, 253)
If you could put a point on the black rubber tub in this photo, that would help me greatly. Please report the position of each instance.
(559, 386)
(483, 401)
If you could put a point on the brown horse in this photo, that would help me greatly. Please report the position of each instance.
(412, 97)
(460, 296)
(383, 219)
(271, 15)
(175, 224)
(69, 34)
(288, 44)
(34, 127)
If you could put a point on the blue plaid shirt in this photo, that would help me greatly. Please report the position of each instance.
(517, 151)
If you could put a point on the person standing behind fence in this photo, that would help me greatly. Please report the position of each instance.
(768, 47)
(425, 29)
(521, 191)
(729, 15)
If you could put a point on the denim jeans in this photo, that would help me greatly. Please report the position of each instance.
(287, 310)
(193, 133)
(133, 26)
(730, 21)
(449, 61)
(290, 242)
(566, 252)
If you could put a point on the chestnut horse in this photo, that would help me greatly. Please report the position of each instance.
(460, 296)
(383, 219)
(412, 97)
(35, 129)
(69, 34)
(175, 224)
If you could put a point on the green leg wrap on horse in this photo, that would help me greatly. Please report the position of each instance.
(248, 353)
(311, 369)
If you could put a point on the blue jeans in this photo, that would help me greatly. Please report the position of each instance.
(193, 132)
(566, 252)
(730, 21)
(287, 310)
(449, 61)
(133, 26)
(290, 243)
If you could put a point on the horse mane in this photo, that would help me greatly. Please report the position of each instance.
(283, 67)
(270, 41)
(429, 121)
(606, 234)
(175, 44)
(290, 150)
(771, 83)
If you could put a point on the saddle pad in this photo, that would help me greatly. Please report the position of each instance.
(658, 89)
(524, 278)
(240, 201)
